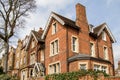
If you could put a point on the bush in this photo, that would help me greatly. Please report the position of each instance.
(7, 77)
(4, 77)
(74, 75)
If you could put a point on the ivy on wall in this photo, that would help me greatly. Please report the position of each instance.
(74, 75)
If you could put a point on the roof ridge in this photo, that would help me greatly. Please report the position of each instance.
(62, 16)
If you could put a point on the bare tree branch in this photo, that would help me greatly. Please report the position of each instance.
(11, 14)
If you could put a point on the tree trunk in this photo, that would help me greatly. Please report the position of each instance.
(6, 56)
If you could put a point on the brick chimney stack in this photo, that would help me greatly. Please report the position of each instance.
(80, 15)
(40, 30)
(81, 21)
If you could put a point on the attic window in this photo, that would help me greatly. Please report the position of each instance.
(54, 28)
(33, 43)
(104, 36)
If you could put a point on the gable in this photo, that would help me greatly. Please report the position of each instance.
(52, 15)
(98, 30)
(62, 20)
(30, 40)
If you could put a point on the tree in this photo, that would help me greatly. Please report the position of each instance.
(12, 13)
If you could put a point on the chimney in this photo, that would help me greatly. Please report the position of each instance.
(80, 15)
(40, 30)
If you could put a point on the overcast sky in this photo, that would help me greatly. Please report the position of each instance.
(98, 11)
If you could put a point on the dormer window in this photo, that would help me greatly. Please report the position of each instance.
(104, 36)
(54, 28)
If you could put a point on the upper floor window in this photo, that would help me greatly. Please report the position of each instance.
(54, 47)
(105, 52)
(74, 44)
(33, 43)
(54, 28)
(42, 55)
(92, 49)
(104, 36)
(17, 64)
(32, 58)
(54, 68)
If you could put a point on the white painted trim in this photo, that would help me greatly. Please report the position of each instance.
(107, 52)
(94, 49)
(31, 35)
(53, 64)
(52, 15)
(95, 63)
(53, 32)
(50, 47)
(109, 31)
(77, 44)
(83, 63)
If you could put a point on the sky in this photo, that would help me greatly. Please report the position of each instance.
(98, 12)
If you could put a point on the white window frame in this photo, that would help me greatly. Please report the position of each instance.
(104, 36)
(105, 52)
(100, 68)
(76, 44)
(104, 69)
(31, 58)
(42, 55)
(51, 70)
(54, 29)
(92, 52)
(17, 64)
(83, 63)
(33, 43)
(51, 48)
(96, 67)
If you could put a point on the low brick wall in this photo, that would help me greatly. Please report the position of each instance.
(101, 77)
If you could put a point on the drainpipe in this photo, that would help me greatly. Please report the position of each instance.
(67, 47)
(97, 49)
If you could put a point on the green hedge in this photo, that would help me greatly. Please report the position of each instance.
(74, 75)
(7, 77)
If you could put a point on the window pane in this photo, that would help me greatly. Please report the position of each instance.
(56, 46)
(74, 43)
(83, 66)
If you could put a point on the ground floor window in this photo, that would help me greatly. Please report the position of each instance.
(104, 68)
(54, 68)
(82, 66)
(31, 72)
(100, 68)
(96, 67)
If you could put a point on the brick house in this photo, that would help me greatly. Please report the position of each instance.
(11, 58)
(117, 71)
(64, 46)
(32, 52)
(74, 45)
(16, 70)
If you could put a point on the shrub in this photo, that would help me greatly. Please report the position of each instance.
(74, 75)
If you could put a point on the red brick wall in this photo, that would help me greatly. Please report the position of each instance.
(61, 56)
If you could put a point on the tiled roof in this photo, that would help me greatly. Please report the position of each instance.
(85, 57)
(98, 28)
(37, 35)
(67, 21)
